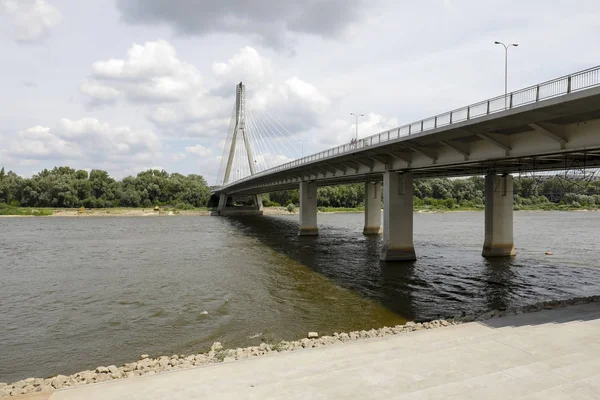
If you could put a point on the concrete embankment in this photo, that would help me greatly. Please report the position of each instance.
(218, 354)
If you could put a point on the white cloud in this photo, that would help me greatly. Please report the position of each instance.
(31, 19)
(246, 65)
(151, 72)
(39, 142)
(199, 150)
(100, 94)
(87, 143)
(342, 131)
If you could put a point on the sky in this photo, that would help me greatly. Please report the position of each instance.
(128, 85)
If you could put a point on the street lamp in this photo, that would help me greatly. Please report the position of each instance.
(302, 141)
(506, 69)
(356, 116)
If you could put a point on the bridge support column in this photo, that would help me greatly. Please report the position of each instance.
(308, 209)
(223, 199)
(372, 209)
(258, 202)
(397, 217)
(498, 216)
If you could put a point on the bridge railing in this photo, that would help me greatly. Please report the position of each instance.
(556, 87)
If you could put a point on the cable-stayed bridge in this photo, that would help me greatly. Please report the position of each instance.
(554, 125)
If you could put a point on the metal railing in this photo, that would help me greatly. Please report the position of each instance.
(557, 87)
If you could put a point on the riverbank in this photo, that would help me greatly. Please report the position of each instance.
(218, 353)
(120, 212)
(150, 212)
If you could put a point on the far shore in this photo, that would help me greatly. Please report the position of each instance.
(150, 212)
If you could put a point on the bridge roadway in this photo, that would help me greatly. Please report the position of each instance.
(551, 126)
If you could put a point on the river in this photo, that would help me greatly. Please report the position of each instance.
(76, 293)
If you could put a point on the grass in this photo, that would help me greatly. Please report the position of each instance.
(5, 209)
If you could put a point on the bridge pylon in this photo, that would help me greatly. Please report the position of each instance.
(227, 204)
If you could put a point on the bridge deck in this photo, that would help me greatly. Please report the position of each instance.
(557, 133)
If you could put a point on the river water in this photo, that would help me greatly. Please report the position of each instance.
(76, 293)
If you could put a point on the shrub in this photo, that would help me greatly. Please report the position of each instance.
(291, 208)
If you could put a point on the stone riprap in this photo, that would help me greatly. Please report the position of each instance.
(217, 353)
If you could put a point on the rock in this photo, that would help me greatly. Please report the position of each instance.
(444, 322)
(102, 370)
(216, 346)
(548, 253)
(143, 356)
(113, 369)
(163, 363)
(129, 367)
(19, 384)
(312, 335)
(204, 313)
(59, 381)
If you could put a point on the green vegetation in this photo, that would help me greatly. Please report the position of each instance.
(441, 194)
(9, 210)
(64, 187)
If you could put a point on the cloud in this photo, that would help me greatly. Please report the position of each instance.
(150, 73)
(341, 131)
(180, 104)
(98, 93)
(199, 150)
(246, 65)
(275, 24)
(31, 20)
(39, 143)
(87, 143)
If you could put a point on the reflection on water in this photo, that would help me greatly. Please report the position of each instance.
(82, 292)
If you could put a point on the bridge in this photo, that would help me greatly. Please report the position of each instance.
(554, 125)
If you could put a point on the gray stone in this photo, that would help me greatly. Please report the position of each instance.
(59, 380)
(113, 369)
(102, 370)
(143, 356)
(312, 335)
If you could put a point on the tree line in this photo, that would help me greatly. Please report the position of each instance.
(464, 192)
(70, 188)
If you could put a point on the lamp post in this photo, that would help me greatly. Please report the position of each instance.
(506, 69)
(356, 116)
(302, 141)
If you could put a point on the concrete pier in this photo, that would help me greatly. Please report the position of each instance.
(397, 217)
(308, 209)
(372, 209)
(498, 216)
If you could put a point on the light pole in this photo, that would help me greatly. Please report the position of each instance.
(302, 141)
(356, 116)
(506, 69)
